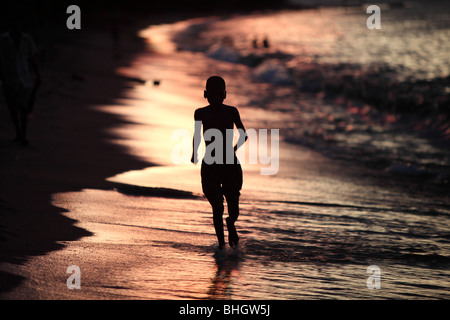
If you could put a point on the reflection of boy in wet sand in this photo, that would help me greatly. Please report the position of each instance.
(220, 178)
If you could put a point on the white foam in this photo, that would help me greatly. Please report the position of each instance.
(229, 253)
(223, 53)
(272, 71)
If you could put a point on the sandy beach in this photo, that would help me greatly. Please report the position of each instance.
(97, 187)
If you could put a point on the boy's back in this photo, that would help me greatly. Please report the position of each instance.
(221, 118)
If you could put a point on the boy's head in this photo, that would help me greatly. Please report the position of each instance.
(215, 90)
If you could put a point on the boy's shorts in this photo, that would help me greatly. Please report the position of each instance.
(220, 180)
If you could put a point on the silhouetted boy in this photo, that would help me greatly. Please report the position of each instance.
(220, 178)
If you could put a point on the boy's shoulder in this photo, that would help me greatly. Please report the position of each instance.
(208, 107)
(231, 108)
(201, 109)
(198, 112)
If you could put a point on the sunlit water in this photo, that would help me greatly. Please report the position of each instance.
(308, 232)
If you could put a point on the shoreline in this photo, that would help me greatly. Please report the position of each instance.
(70, 148)
(69, 145)
(124, 255)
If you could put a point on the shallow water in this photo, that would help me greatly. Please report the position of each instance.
(413, 39)
(308, 232)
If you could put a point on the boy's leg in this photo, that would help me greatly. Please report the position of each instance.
(218, 222)
(213, 192)
(233, 207)
(232, 186)
(233, 214)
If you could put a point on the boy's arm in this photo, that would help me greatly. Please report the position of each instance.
(240, 126)
(197, 137)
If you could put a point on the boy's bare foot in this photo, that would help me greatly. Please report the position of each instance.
(233, 237)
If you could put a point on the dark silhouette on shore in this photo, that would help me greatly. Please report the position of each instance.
(220, 179)
(17, 63)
